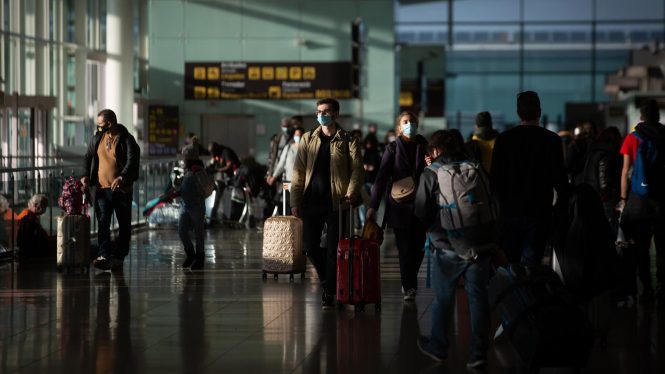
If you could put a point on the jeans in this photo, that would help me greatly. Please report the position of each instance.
(191, 221)
(107, 202)
(523, 239)
(447, 268)
(410, 242)
(323, 259)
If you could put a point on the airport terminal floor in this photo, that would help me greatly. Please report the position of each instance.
(154, 318)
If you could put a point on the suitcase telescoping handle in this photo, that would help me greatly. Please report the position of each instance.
(350, 269)
(284, 200)
(341, 211)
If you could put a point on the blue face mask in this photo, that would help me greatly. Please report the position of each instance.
(410, 129)
(324, 120)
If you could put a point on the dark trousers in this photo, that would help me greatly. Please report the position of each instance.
(107, 202)
(410, 242)
(523, 239)
(192, 221)
(637, 257)
(323, 259)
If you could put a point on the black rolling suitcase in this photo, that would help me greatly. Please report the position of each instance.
(544, 324)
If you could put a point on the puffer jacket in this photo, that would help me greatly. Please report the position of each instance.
(127, 153)
(346, 169)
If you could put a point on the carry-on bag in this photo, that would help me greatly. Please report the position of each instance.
(358, 269)
(283, 246)
(73, 241)
(545, 325)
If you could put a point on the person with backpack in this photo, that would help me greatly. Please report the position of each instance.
(192, 207)
(642, 201)
(401, 165)
(328, 172)
(454, 202)
(527, 166)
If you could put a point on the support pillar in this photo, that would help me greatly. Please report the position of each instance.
(119, 82)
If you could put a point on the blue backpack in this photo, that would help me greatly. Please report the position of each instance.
(648, 175)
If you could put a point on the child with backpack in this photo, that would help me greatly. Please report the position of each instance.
(454, 201)
(193, 188)
(642, 202)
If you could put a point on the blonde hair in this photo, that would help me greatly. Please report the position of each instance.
(414, 119)
(39, 203)
(4, 204)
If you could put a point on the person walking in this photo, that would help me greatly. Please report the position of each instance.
(328, 169)
(482, 140)
(111, 165)
(450, 263)
(642, 201)
(284, 168)
(527, 166)
(401, 165)
(192, 209)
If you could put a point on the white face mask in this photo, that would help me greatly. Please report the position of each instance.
(391, 139)
(296, 138)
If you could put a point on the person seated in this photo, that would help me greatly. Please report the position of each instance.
(32, 239)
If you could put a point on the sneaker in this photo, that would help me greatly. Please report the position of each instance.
(410, 295)
(188, 261)
(626, 302)
(327, 301)
(476, 363)
(198, 262)
(101, 263)
(425, 347)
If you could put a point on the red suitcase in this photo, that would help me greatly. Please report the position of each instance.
(358, 271)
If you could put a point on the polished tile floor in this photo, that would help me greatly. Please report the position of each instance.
(154, 318)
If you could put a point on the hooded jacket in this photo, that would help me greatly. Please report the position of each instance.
(127, 153)
(482, 145)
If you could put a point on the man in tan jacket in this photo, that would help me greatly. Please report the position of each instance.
(328, 170)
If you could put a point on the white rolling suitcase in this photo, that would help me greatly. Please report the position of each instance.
(283, 246)
(73, 242)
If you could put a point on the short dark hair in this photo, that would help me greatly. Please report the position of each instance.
(450, 142)
(330, 101)
(108, 116)
(528, 106)
(484, 119)
(436, 140)
(650, 112)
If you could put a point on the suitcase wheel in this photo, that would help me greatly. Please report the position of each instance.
(264, 276)
(291, 277)
(276, 276)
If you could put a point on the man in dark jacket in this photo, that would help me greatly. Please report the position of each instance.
(111, 164)
(527, 165)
